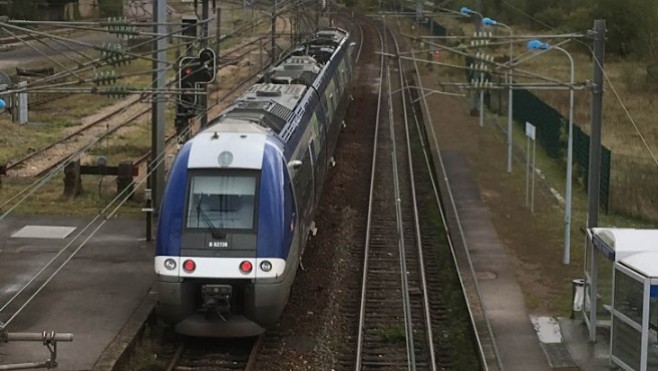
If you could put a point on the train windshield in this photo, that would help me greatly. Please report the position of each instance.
(221, 202)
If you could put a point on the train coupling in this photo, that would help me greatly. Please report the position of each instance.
(217, 298)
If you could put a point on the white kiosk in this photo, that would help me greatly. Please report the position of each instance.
(605, 246)
(633, 342)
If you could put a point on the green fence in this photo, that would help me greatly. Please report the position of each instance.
(552, 134)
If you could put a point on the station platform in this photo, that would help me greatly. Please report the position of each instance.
(588, 356)
(94, 296)
(517, 344)
(523, 341)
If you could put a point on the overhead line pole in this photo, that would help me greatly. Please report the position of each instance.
(594, 172)
(273, 51)
(203, 99)
(159, 103)
(593, 186)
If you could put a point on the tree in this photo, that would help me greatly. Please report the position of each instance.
(630, 24)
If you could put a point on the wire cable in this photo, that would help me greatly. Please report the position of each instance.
(119, 200)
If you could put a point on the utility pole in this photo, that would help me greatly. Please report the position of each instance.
(319, 11)
(159, 103)
(593, 186)
(203, 99)
(273, 51)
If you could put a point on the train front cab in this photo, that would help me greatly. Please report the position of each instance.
(234, 280)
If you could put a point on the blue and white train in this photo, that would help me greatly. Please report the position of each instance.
(241, 194)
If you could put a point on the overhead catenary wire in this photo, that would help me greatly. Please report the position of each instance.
(53, 60)
(38, 183)
(628, 115)
(285, 6)
(627, 112)
(98, 62)
(119, 200)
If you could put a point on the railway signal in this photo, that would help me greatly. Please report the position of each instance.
(193, 71)
(187, 80)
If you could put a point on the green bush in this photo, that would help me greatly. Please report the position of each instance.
(553, 17)
(631, 25)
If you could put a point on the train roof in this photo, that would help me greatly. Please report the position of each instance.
(270, 103)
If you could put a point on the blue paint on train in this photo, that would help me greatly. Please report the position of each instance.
(170, 223)
(274, 210)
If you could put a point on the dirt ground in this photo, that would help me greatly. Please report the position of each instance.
(533, 241)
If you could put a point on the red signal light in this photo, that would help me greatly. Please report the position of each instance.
(187, 71)
(189, 266)
(246, 266)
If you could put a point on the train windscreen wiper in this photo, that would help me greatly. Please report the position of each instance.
(215, 232)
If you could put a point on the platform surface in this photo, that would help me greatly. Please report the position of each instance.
(92, 296)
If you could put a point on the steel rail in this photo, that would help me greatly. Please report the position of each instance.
(251, 362)
(408, 320)
(108, 116)
(419, 244)
(176, 358)
(362, 311)
(27, 157)
(453, 205)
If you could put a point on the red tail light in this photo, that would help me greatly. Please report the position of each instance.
(246, 266)
(189, 266)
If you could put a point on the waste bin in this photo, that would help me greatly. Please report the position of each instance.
(577, 296)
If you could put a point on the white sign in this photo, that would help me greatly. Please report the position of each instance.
(530, 130)
(22, 104)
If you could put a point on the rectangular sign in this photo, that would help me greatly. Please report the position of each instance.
(22, 104)
(530, 130)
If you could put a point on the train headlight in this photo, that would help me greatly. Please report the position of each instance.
(225, 159)
(246, 266)
(170, 264)
(266, 266)
(189, 266)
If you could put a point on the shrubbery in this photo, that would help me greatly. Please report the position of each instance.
(632, 24)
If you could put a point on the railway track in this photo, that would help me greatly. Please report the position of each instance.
(223, 61)
(413, 314)
(63, 149)
(394, 323)
(216, 355)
